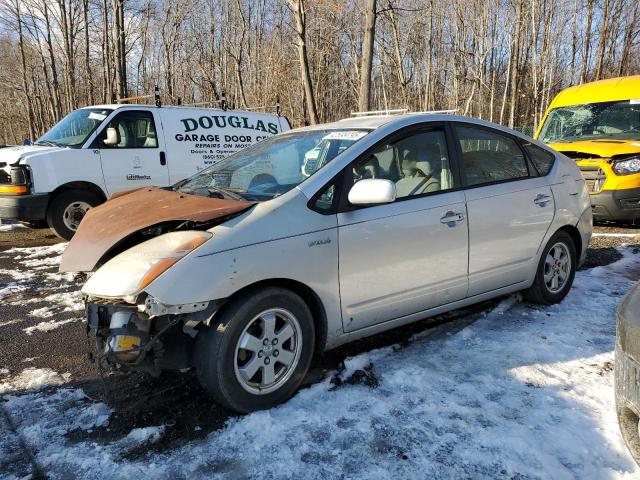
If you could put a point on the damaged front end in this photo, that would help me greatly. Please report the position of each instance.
(145, 336)
(133, 330)
(127, 243)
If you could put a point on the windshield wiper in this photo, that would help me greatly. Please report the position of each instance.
(224, 192)
(47, 143)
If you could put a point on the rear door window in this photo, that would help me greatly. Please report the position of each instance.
(489, 157)
(541, 159)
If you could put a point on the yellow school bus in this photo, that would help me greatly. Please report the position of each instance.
(598, 125)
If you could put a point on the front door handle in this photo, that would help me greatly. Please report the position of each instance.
(163, 158)
(542, 200)
(451, 218)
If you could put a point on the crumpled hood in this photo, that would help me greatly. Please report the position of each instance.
(106, 226)
(605, 148)
(11, 155)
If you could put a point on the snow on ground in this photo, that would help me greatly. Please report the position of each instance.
(7, 225)
(36, 281)
(525, 392)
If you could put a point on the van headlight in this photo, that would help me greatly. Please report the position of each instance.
(130, 272)
(627, 166)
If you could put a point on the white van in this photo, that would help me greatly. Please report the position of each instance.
(97, 151)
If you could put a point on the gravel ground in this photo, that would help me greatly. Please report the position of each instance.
(174, 400)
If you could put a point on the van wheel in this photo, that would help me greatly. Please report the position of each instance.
(257, 354)
(67, 209)
(556, 271)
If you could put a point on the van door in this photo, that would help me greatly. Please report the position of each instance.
(138, 158)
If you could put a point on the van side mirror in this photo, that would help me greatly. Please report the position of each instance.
(372, 191)
(112, 137)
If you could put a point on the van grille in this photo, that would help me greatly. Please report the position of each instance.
(594, 177)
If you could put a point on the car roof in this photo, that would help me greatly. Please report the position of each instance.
(379, 121)
(610, 90)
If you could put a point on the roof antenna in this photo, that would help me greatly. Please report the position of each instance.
(278, 105)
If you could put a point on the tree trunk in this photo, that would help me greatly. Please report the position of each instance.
(366, 62)
(513, 81)
(120, 48)
(300, 17)
(604, 33)
(587, 43)
(87, 60)
(25, 83)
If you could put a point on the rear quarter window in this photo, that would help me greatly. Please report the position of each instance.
(541, 159)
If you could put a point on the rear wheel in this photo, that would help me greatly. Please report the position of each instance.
(259, 351)
(556, 271)
(67, 209)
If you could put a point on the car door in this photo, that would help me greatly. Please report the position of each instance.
(138, 159)
(404, 257)
(509, 208)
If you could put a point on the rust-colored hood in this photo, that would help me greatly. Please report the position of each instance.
(107, 225)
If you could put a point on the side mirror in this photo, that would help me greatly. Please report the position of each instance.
(372, 191)
(112, 137)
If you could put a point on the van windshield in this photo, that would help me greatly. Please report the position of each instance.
(605, 120)
(271, 167)
(74, 129)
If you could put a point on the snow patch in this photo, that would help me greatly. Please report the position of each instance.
(47, 326)
(34, 379)
(138, 436)
(8, 225)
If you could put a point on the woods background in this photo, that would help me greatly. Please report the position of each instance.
(501, 60)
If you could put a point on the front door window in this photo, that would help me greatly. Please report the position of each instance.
(134, 129)
(418, 164)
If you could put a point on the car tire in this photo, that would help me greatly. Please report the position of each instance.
(556, 271)
(257, 353)
(67, 209)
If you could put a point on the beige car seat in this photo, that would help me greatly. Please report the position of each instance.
(421, 172)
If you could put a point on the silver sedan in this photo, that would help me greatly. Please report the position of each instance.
(321, 236)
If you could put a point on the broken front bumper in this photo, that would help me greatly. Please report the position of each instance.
(148, 336)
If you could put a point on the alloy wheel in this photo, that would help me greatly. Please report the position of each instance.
(557, 267)
(268, 351)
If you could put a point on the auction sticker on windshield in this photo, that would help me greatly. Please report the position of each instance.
(345, 135)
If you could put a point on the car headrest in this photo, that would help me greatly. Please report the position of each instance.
(425, 167)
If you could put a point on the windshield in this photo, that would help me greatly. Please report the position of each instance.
(74, 129)
(606, 120)
(271, 167)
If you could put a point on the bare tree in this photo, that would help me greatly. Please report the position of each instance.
(366, 63)
(300, 17)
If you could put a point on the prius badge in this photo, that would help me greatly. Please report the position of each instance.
(315, 243)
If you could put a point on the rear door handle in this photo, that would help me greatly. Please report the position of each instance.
(163, 158)
(451, 218)
(542, 200)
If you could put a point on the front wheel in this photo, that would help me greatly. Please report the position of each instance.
(556, 271)
(67, 209)
(257, 354)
